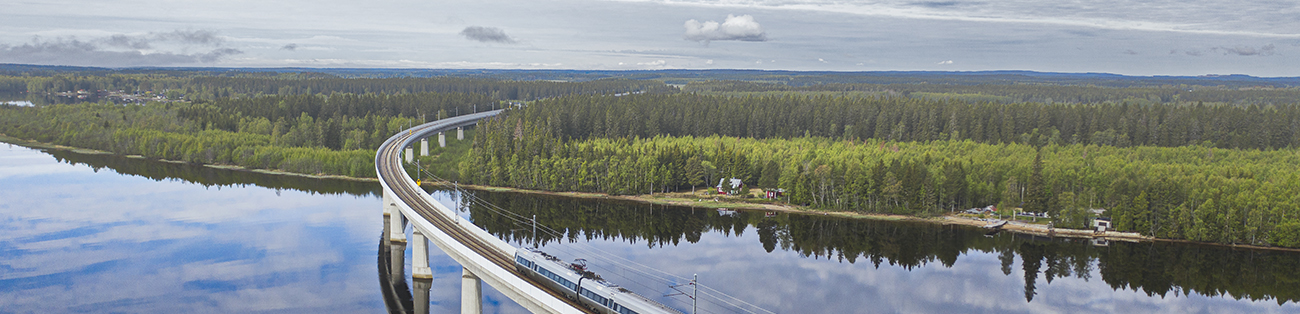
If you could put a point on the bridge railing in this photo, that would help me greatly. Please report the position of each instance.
(521, 291)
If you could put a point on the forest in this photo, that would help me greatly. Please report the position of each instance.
(1017, 91)
(313, 134)
(1212, 163)
(1228, 180)
(218, 87)
(909, 119)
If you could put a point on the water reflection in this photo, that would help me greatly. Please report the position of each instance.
(210, 177)
(800, 262)
(77, 240)
(168, 237)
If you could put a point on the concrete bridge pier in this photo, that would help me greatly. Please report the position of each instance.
(420, 261)
(397, 260)
(410, 154)
(390, 206)
(397, 228)
(471, 293)
(424, 146)
(442, 139)
(421, 292)
(460, 133)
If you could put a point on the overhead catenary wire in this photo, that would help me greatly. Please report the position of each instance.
(586, 250)
(601, 254)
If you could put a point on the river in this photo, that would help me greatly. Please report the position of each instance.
(99, 233)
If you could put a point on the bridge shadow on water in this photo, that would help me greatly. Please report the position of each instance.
(392, 283)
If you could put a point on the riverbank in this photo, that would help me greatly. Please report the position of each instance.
(1020, 227)
(687, 199)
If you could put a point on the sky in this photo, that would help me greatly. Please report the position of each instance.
(1154, 37)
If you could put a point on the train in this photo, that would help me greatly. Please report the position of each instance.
(584, 286)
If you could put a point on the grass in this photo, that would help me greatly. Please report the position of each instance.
(444, 162)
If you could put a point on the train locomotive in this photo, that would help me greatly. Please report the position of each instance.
(584, 286)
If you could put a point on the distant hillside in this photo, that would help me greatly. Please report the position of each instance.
(793, 78)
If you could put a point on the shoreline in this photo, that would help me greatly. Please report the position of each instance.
(1013, 226)
(87, 151)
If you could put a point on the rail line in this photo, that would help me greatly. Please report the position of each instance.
(389, 164)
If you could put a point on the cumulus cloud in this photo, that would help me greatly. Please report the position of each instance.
(742, 28)
(119, 50)
(1265, 50)
(290, 47)
(184, 37)
(124, 41)
(656, 63)
(217, 54)
(487, 35)
(945, 62)
(202, 37)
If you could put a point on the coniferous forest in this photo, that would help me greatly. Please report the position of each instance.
(1214, 162)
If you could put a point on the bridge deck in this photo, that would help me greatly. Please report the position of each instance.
(388, 163)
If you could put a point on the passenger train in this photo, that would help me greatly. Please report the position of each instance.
(577, 283)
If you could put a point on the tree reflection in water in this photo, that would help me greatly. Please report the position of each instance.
(1157, 268)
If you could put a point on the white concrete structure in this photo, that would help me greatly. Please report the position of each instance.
(424, 146)
(460, 133)
(442, 140)
(410, 154)
(480, 262)
(422, 295)
(397, 227)
(420, 258)
(471, 293)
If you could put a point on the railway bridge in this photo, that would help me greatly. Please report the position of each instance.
(482, 256)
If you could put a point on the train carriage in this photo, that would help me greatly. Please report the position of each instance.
(576, 282)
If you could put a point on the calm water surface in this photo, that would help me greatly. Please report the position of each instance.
(89, 233)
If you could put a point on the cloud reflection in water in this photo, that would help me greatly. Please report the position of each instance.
(74, 239)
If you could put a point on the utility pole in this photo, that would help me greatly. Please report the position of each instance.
(695, 294)
(534, 230)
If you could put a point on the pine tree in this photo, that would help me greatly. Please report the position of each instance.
(1036, 199)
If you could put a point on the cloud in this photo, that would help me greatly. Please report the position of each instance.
(115, 50)
(217, 54)
(821, 60)
(742, 28)
(487, 35)
(945, 62)
(201, 37)
(290, 47)
(1266, 50)
(1130, 52)
(184, 37)
(124, 41)
(656, 63)
(936, 4)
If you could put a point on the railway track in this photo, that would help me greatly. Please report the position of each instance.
(389, 164)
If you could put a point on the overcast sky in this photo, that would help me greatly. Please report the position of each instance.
(1155, 37)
